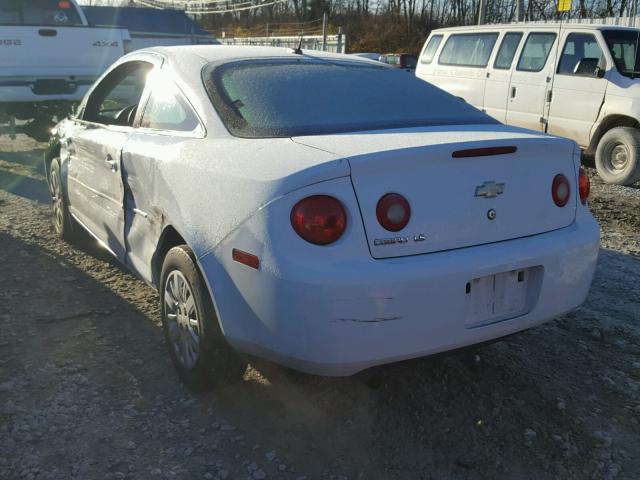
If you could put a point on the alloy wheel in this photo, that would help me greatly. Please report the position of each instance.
(181, 317)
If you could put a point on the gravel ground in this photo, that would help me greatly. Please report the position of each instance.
(87, 390)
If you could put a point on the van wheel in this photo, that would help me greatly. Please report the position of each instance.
(196, 345)
(618, 156)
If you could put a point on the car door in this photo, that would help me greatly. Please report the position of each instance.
(578, 87)
(531, 80)
(168, 127)
(496, 90)
(94, 148)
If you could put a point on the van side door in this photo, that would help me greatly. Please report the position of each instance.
(578, 87)
(531, 80)
(496, 90)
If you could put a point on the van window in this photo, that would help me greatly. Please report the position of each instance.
(56, 13)
(430, 49)
(622, 45)
(468, 49)
(578, 47)
(536, 51)
(507, 50)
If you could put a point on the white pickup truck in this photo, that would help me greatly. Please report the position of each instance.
(49, 57)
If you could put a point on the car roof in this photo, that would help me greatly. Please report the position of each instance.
(535, 26)
(220, 53)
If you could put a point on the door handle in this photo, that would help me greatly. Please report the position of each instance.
(513, 92)
(112, 163)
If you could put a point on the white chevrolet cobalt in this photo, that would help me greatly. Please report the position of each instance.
(325, 212)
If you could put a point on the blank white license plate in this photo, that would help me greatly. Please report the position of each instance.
(497, 297)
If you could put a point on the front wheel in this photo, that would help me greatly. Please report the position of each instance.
(618, 156)
(197, 348)
(61, 219)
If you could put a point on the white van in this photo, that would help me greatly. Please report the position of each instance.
(577, 81)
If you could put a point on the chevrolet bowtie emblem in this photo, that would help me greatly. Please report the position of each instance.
(489, 189)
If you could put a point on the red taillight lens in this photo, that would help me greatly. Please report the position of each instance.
(319, 219)
(393, 212)
(560, 190)
(584, 185)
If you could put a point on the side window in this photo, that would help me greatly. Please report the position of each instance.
(115, 100)
(168, 110)
(581, 55)
(536, 51)
(468, 49)
(430, 49)
(507, 50)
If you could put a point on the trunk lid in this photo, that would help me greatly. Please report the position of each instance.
(446, 212)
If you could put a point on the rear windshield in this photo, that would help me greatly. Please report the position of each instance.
(283, 98)
(39, 12)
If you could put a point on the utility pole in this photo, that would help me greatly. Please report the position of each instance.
(325, 19)
(519, 10)
(482, 12)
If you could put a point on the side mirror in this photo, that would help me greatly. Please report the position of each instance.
(600, 72)
(589, 67)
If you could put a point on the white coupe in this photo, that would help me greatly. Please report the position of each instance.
(325, 212)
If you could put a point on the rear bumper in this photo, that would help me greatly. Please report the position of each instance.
(338, 321)
(45, 86)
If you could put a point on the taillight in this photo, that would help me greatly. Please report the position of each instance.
(584, 185)
(319, 219)
(393, 212)
(560, 190)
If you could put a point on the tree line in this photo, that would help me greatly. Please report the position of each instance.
(381, 25)
(397, 25)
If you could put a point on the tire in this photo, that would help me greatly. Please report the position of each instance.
(198, 350)
(618, 156)
(61, 219)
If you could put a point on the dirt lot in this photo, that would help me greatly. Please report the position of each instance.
(88, 392)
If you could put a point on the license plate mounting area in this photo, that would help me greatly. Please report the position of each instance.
(501, 296)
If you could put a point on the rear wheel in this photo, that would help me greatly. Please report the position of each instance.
(196, 345)
(618, 156)
(61, 219)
